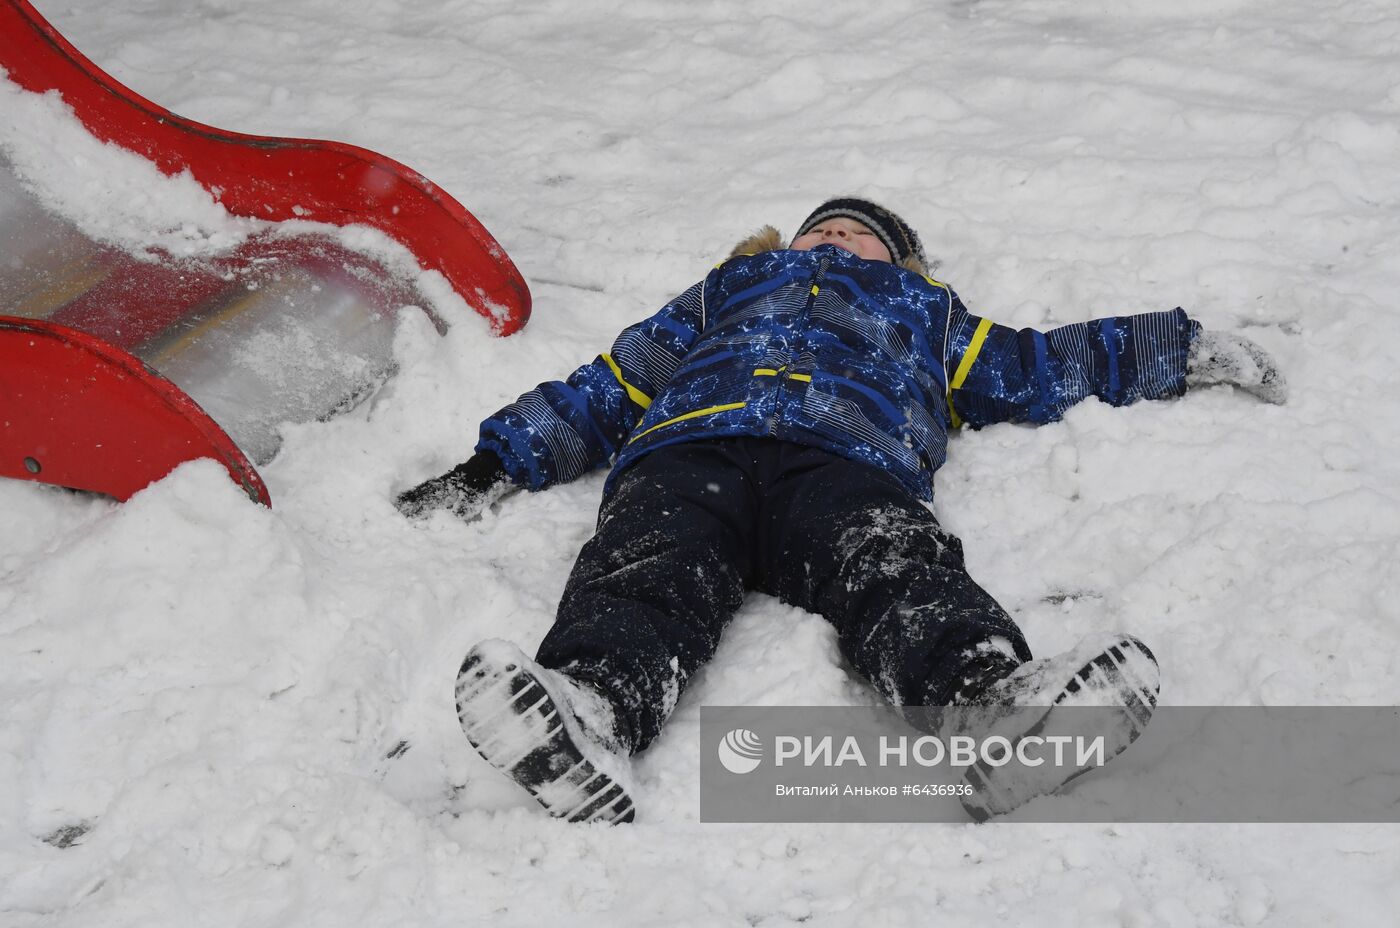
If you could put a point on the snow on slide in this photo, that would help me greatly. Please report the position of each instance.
(128, 346)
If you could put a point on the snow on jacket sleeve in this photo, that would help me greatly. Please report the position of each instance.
(1000, 374)
(563, 429)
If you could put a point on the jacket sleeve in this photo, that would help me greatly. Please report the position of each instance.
(1000, 374)
(563, 429)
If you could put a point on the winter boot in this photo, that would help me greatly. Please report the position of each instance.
(1107, 684)
(552, 735)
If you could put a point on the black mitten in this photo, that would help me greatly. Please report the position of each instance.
(466, 490)
(1223, 358)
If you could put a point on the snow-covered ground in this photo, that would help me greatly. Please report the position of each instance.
(199, 694)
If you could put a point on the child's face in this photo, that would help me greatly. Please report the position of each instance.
(844, 233)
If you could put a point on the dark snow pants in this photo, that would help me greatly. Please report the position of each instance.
(691, 526)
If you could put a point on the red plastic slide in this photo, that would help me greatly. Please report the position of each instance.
(115, 368)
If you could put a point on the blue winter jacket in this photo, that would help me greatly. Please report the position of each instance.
(862, 358)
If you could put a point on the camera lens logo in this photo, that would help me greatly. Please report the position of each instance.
(740, 751)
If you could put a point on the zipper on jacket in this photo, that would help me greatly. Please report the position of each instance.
(803, 322)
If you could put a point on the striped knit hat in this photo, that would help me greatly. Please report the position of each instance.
(902, 241)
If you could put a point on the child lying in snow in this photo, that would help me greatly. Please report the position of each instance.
(777, 427)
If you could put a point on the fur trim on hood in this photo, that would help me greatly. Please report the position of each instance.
(769, 238)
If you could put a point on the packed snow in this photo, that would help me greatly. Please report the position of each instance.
(220, 714)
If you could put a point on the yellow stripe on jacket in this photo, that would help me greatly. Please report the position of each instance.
(637, 396)
(968, 359)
